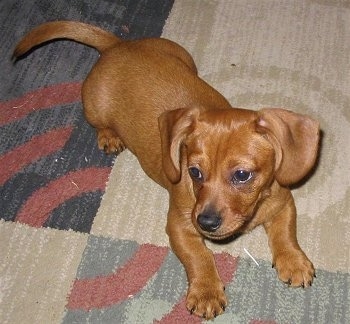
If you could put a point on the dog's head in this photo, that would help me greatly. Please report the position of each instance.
(233, 156)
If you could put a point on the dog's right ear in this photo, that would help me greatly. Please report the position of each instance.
(175, 126)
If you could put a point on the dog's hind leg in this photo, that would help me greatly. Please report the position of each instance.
(109, 141)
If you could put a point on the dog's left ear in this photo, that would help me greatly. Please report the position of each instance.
(174, 126)
(295, 138)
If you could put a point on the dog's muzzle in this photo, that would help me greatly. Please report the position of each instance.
(209, 221)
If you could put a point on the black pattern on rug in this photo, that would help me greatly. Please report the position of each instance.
(52, 173)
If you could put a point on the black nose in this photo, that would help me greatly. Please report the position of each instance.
(209, 221)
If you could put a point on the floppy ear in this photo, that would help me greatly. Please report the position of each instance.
(174, 126)
(295, 139)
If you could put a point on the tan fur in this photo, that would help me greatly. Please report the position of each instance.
(145, 95)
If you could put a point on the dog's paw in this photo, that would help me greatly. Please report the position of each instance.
(206, 299)
(109, 142)
(295, 269)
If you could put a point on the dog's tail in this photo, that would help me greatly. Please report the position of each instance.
(82, 33)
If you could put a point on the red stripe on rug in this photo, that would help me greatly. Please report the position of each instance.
(109, 290)
(39, 206)
(38, 147)
(58, 94)
(226, 265)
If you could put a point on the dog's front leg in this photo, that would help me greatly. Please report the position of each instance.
(206, 296)
(292, 265)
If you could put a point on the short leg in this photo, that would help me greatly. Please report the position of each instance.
(109, 141)
(206, 297)
(292, 265)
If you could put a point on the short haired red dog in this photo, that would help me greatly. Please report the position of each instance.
(227, 170)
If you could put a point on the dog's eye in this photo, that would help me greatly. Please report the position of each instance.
(241, 176)
(195, 173)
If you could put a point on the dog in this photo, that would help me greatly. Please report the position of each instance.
(227, 170)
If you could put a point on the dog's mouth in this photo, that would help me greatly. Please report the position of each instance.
(224, 232)
(220, 237)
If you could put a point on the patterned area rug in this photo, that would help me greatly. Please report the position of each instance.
(82, 235)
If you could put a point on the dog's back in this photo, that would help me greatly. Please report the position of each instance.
(141, 80)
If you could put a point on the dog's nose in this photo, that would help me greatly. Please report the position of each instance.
(209, 222)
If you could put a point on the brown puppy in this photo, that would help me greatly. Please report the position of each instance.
(226, 169)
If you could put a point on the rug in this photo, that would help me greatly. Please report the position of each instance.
(82, 234)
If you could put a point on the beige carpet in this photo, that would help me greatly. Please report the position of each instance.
(292, 54)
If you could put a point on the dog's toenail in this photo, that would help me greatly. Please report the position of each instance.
(272, 266)
(223, 307)
(192, 310)
(303, 285)
(310, 283)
